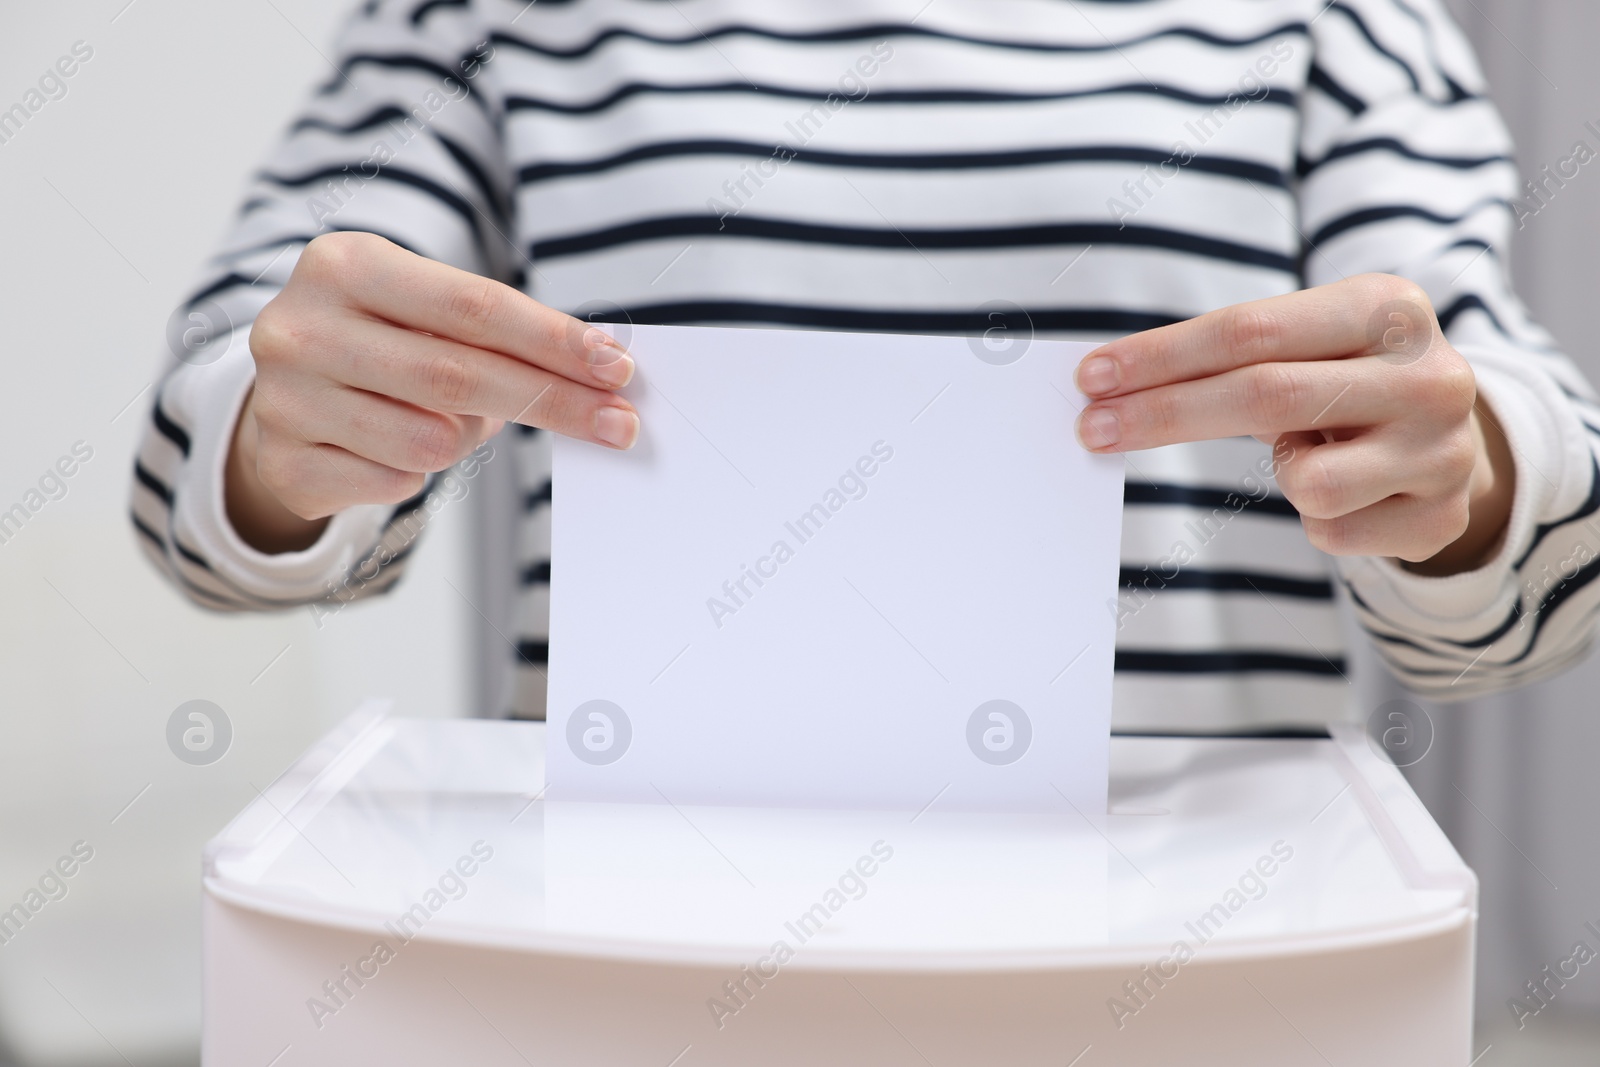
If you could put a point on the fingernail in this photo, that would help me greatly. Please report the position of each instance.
(1099, 428)
(608, 361)
(595, 337)
(617, 427)
(1098, 375)
(611, 366)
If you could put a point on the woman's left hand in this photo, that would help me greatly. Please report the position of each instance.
(1381, 445)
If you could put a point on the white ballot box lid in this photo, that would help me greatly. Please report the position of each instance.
(1248, 846)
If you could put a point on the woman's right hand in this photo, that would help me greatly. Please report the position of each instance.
(376, 367)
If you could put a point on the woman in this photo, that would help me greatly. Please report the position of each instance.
(1291, 215)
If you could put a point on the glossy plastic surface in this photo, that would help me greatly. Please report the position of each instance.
(1237, 848)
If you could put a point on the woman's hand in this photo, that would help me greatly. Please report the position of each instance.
(1372, 413)
(376, 367)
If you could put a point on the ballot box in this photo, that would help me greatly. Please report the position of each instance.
(404, 894)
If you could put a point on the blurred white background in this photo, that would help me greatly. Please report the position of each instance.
(113, 196)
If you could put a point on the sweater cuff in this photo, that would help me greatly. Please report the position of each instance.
(1551, 477)
(201, 520)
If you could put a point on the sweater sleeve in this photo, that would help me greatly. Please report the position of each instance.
(402, 141)
(1406, 168)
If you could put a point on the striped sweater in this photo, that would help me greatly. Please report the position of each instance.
(911, 166)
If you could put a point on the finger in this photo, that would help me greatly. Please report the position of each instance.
(423, 294)
(444, 375)
(1326, 480)
(1356, 316)
(318, 480)
(393, 433)
(1402, 526)
(1263, 399)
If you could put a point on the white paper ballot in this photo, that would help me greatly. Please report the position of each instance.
(950, 885)
(837, 571)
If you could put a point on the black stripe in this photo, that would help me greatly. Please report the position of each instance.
(536, 573)
(627, 91)
(1141, 662)
(1472, 301)
(912, 239)
(1457, 93)
(1378, 46)
(1225, 581)
(204, 596)
(741, 312)
(377, 116)
(1397, 639)
(1568, 589)
(1587, 508)
(394, 560)
(1367, 216)
(425, 9)
(1260, 173)
(227, 281)
(232, 281)
(152, 483)
(1559, 595)
(149, 534)
(390, 173)
(1512, 620)
(191, 555)
(1321, 79)
(1393, 638)
(1564, 592)
(1287, 732)
(1501, 680)
(244, 599)
(1201, 497)
(537, 496)
(878, 31)
(491, 193)
(1305, 167)
(1467, 302)
(532, 651)
(389, 113)
(307, 238)
(398, 62)
(169, 429)
(1580, 398)
(1473, 243)
(411, 503)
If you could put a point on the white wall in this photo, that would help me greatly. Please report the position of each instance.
(149, 150)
